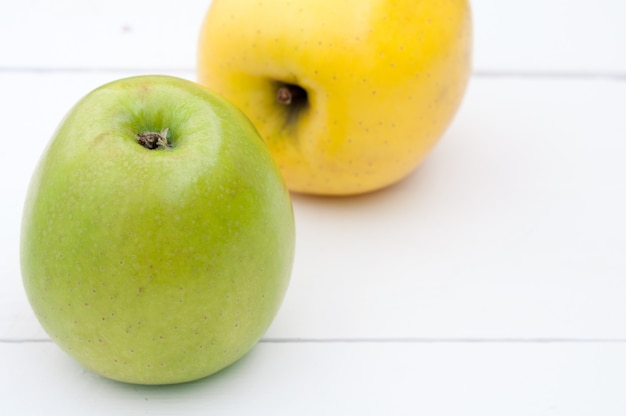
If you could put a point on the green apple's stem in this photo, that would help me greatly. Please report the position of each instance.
(151, 140)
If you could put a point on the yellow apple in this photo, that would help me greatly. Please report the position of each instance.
(350, 96)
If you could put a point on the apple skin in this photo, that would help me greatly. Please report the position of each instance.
(383, 80)
(156, 266)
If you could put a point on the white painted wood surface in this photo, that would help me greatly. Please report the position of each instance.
(490, 282)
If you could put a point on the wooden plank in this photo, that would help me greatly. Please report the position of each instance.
(340, 378)
(136, 34)
(554, 36)
(534, 36)
(513, 228)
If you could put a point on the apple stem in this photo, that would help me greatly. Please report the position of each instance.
(151, 140)
(286, 94)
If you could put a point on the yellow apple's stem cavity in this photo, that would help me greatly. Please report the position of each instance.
(284, 95)
(151, 140)
(289, 94)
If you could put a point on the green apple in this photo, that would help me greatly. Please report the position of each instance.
(158, 235)
(349, 95)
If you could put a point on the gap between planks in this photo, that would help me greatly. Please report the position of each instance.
(399, 340)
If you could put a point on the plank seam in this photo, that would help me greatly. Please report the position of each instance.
(479, 73)
(399, 340)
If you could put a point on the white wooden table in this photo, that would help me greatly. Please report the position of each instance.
(492, 281)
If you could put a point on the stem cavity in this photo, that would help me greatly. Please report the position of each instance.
(290, 94)
(151, 140)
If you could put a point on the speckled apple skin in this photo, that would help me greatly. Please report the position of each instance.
(156, 266)
(383, 80)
